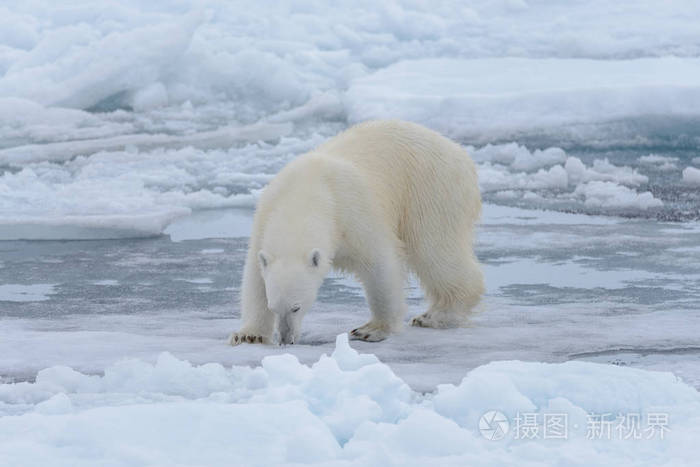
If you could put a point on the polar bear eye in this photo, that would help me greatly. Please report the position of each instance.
(295, 308)
(315, 258)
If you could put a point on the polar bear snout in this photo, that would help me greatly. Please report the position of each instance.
(288, 327)
(291, 285)
(288, 318)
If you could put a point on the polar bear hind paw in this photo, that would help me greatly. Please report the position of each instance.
(422, 321)
(245, 338)
(369, 332)
(439, 320)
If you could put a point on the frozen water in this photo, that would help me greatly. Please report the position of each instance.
(349, 408)
(144, 134)
(560, 286)
(277, 57)
(210, 101)
(691, 176)
(132, 193)
(498, 97)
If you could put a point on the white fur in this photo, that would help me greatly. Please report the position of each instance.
(376, 200)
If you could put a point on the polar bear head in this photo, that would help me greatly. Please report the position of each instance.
(291, 286)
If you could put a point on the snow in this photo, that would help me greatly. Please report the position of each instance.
(88, 226)
(511, 171)
(691, 176)
(502, 96)
(608, 194)
(519, 157)
(210, 224)
(664, 163)
(121, 193)
(115, 124)
(345, 408)
(138, 193)
(77, 58)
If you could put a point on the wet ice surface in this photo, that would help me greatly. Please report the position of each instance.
(560, 287)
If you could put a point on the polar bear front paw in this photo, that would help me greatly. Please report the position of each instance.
(243, 337)
(370, 332)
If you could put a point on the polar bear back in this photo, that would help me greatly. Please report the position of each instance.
(423, 181)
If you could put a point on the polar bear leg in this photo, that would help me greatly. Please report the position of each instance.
(453, 283)
(258, 320)
(383, 282)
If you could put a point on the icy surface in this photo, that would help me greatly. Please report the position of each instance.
(502, 96)
(348, 408)
(129, 193)
(691, 176)
(113, 124)
(560, 287)
(25, 293)
(277, 57)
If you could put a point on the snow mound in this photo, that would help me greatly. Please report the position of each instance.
(129, 192)
(132, 192)
(75, 57)
(612, 195)
(691, 176)
(500, 97)
(551, 178)
(348, 408)
(663, 163)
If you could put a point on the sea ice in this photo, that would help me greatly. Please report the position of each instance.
(499, 97)
(345, 408)
(691, 176)
(609, 194)
(212, 100)
(25, 293)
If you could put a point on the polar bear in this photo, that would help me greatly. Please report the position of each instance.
(382, 198)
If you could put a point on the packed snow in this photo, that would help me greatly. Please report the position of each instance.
(499, 97)
(75, 56)
(664, 163)
(347, 408)
(691, 176)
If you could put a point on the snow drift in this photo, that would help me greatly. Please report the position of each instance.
(348, 408)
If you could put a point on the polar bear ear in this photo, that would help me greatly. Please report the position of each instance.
(315, 257)
(263, 259)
